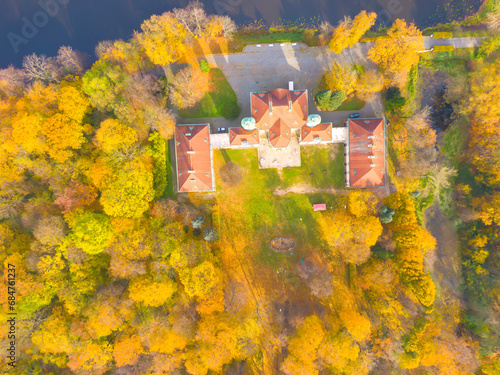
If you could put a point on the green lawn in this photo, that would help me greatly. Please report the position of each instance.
(250, 208)
(278, 37)
(220, 101)
(351, 104)
(315, 160)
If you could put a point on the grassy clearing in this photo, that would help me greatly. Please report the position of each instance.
(351, 104)
(454, 141)
(251, 215)
(279, 37)
(315, 160)
(220, 101)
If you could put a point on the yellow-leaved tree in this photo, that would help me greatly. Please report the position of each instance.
(397, 53)
(163, 39)
(351, 232)
(349, 32)
(113, 135)
(151, 292)
(303, 347)
(127, 350)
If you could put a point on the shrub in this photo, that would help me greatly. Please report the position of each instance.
(442, 35)
(272, 30)
(204, 66)
(308, 37)
(443, 48)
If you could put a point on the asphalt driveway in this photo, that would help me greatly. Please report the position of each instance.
(268, 66)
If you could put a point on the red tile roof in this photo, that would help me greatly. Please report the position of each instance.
(366, 153)
(193, 154)
(280, 134)
(319, 207)
(322, 131)
(238, 136)
(267, 107)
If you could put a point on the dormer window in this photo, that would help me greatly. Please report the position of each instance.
(207, 174)
(370, 145)
(372, 165)
(353, 134)
(317, 138)
(188, 134)
(205, 140)
(244, 142)
(372, 156)
(372, 136)
(255, 110)
(353, 171)
(290, 106)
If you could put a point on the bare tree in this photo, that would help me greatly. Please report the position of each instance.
(188, 87)
(70, 60)
(228, 27)
(493, 20)
(11, 204)
(316, 276)
(50, 230)
(165, 209)
(144, 90)
(325, 30)
(441, 177)
(193, 17)
(103, 47)
(40, 68)
(12, 81)
(161, 120)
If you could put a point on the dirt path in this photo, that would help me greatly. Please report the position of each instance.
(306, 189)
(444, 261)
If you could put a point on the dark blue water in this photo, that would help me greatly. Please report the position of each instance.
(42, 26)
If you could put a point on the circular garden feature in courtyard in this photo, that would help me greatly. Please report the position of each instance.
(282, 243)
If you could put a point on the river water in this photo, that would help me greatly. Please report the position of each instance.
(42, 26)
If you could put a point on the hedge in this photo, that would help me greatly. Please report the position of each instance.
(442, 35)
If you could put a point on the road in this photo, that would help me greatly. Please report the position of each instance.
(269, 66)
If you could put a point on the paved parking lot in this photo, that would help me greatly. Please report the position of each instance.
(268, 66)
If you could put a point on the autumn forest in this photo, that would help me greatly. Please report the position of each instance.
(107, 269)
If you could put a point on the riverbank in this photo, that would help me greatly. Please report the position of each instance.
(27, 28)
